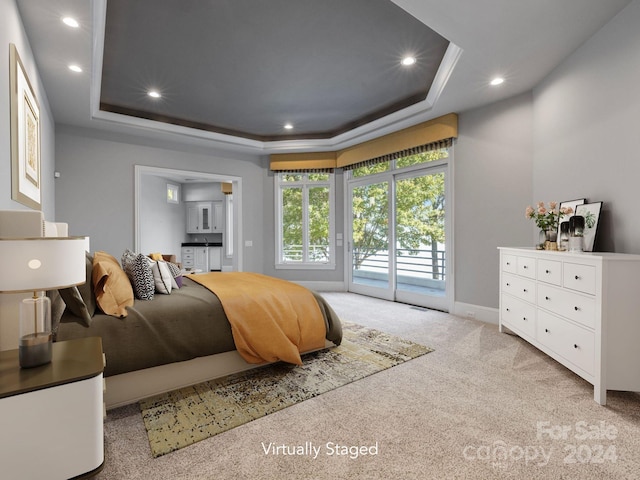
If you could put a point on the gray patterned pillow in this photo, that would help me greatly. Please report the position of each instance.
(138, 269)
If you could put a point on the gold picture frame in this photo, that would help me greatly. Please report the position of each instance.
(26, 186)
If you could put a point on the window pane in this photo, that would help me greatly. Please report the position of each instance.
(319, 224)
(291, 177)
(370, 169)
(292, 224)
(422, 158)
(319, 177)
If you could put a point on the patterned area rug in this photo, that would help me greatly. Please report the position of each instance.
(183, 417)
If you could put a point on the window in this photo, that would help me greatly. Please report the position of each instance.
(305, 220)
(173, 193)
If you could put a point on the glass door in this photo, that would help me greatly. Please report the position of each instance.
(398, 238)
(420, 239)
(369, 240)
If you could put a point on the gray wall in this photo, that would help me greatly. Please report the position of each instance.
(586, 130)
(493, 165)
(95, 192)
(162, 224)
(12, 31)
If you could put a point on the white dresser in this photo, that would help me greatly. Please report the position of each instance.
(582, 309)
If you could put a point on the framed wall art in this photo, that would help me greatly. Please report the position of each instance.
(591, 214)
(26, 186)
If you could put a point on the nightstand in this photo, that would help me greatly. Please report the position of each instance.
(51, 416)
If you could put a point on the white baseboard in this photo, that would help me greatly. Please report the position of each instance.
(478, 312)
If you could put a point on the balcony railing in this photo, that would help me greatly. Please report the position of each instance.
(409, 262)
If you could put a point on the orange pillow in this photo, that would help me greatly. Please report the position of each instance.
(112, 286)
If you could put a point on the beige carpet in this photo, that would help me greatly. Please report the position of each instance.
(183, 417)
(446, 415)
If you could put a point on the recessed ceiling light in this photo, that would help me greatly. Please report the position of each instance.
(497, 81)
(75, 68)
(70, 22)
(288, 126)
(407, 61)
(154, 94)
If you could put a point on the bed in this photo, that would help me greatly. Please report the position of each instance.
(164, 343)
(172, 341)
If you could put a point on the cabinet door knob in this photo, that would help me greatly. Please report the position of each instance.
(508, 310)
(524, 290)
(546, 271)
(577, 277)
(576, 308)
(546, 330)
(525, 267)
(546, 298)
(524, 318)
(575, 345)
(508, 284)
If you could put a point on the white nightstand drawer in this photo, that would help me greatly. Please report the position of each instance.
(518, 315)
(579, 308)
(572, 342)
(522, 288)
(509, 263)
(550, 271)
(580, 277)
(187, 250)
(527, 267)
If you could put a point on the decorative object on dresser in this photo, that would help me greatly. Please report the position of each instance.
(547, 221)
(591, 214)
(583, 310)
(38, 264)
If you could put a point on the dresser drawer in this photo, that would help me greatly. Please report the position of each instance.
(570, 341)
(518, 315)
(580, 277)
(579, 308)
(526, 266)
(522, 288)
(509, 263)
(187, 250)
(550, 271)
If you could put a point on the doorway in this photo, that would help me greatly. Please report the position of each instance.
(144, 173)
(399, 236)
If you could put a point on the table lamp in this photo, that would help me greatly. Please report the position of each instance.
(35, 265)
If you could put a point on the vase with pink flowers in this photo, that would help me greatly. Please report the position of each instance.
(547, 221)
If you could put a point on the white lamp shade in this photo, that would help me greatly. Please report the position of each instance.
(34, 264)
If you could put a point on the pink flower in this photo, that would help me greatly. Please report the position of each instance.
(553, 205)
(540, 204)
(529, 211)
(542, 210)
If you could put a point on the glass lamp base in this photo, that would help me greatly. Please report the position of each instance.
(35, 349)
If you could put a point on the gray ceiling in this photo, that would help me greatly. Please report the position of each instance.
(243, 102)
(247, 67)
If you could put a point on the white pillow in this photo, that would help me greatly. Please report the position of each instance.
(162, 277)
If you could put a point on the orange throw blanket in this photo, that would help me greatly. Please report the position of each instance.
(271, 319)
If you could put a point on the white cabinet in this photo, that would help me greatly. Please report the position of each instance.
(195, 258)
(582, 309)
(204, 217)
(215, 258)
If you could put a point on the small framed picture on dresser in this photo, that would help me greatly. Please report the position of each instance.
(591, 214)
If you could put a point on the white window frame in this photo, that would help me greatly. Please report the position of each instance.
(305, 184)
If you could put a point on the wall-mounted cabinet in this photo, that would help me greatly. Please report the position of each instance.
(204, 217)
